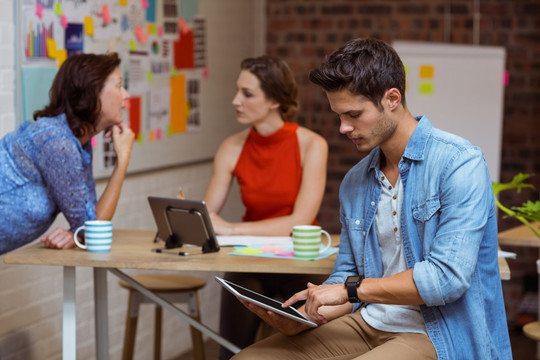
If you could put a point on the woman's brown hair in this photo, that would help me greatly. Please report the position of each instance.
(277, 82)
(76, 88)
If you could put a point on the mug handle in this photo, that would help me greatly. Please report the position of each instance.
(82, 246)
(329, 241)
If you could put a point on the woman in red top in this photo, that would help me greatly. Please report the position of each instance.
(281, 170)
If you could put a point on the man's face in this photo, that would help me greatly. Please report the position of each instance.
(366, 125)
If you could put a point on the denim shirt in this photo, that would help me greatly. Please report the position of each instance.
(44, 170)
(449, 233)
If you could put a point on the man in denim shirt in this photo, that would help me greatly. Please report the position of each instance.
(419, 234)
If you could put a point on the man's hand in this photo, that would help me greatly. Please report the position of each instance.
(281, 323)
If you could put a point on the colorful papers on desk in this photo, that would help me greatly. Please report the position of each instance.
(276, 251)
(248, 240)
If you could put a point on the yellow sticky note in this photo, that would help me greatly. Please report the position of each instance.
(89, 25)
(61, 56)
(51, 48)
(149, 75)
(152, 135)
(132, 45)
(123, 2)
(249, 251)
(426, 88)
(140, 139)
(427, 71)
(58, 9)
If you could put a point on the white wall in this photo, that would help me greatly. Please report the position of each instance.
(31, 296)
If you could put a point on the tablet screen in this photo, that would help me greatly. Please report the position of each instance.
(264, 301)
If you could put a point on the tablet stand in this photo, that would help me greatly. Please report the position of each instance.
(174, 241)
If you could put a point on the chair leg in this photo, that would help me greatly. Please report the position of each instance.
(157, 332)
(196, 335)
(131, 326)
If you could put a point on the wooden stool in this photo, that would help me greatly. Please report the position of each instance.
(174, 288)
(532, 330)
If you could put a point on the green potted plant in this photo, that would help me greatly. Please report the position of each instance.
(528, 211)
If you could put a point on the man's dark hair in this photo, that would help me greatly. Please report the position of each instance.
(367, 67)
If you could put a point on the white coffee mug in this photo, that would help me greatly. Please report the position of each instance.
(97, 236)
(307, 241)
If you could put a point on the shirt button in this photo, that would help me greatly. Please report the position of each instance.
(357, 222)
(390, 188)
(382, 178)
(394, 197)
(395, 229)
(394, 213)
(373, 203)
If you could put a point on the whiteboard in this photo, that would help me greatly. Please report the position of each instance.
(460, 88)
(227, 43)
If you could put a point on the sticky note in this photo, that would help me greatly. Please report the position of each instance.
(427, 71)
(106, 14)
(61, 56)
(132, 46)
(88, 25)
(63, 21)
(159, 134)
(123, 2)
(93, 141)
(140, 34)
(160, 31)
(426, 88)
(51, 48)
(58, 9)
(272, 248)
(149, 75)
(152, 135)
(249, 251)
(140, 138)
(39, 11)
(151, 28)
(205, 72)
(144, 4)
(182, 25)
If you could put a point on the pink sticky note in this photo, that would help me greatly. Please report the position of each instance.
(182, 25)
(205, 72)
(506, 78)
(106, 14)
(287, 254)
(39, 11)
(63, 21)
(271, 248)
(159, 133)
(144, 4)
(160, 31)
(140, 34)
(93, 142)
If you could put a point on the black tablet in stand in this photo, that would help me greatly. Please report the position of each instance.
(183, 222)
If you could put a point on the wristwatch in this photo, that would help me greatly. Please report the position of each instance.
(352, 283)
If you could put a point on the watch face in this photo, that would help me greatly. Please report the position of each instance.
(353, 279)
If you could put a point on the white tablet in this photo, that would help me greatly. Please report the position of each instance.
(264, 301)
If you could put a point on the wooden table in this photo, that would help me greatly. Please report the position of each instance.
(132, 249)
(523, 236)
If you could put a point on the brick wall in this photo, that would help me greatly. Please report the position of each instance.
(303, 32)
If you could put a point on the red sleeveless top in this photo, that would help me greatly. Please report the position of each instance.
(269, 172)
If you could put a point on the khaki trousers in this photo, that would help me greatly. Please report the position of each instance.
(348, 337)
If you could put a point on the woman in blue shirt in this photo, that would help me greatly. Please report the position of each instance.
(46, 166)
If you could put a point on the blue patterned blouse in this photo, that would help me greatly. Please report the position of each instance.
(44, 170)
